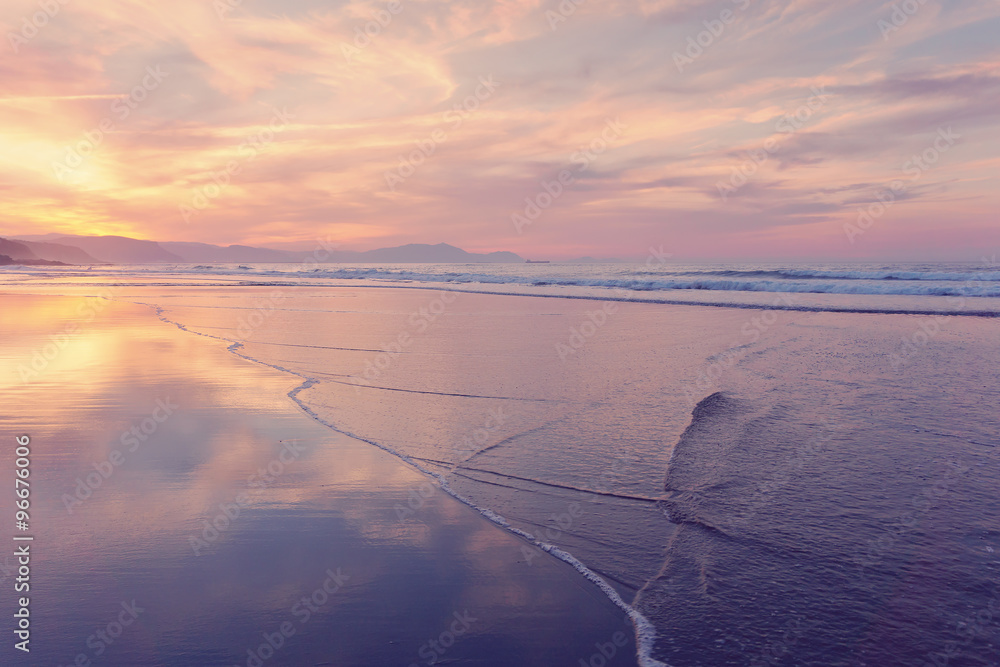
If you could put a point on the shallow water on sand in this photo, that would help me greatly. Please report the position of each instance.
(765, 487)
(123, 544)
(831, 505)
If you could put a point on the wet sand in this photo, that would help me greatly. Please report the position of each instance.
(759, 485)
(185, 511)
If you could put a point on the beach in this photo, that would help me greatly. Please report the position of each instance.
(181, 483)
(589, 478)
(500, 333)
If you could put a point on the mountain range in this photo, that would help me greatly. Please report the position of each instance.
(74, 249)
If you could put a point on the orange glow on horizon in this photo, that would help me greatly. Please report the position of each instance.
(247, 128)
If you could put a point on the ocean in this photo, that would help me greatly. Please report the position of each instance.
(756, 464)
(654, 280)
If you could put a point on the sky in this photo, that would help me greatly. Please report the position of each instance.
(555, 129)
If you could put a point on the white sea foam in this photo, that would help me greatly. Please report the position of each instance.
(644, 631)
(955, 280)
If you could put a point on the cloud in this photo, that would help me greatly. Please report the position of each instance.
(379, 89)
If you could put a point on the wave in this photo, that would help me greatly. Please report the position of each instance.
(734, 286)
(798, 281)
(801, 281)
(887, 274)
(645, 632)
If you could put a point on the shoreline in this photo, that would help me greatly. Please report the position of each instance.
(554, 579)
(403, 373)
(445, 287)
(645, 633)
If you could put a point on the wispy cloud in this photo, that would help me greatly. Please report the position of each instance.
(370, 80)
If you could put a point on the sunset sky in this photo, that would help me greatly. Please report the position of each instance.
(123, 117)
